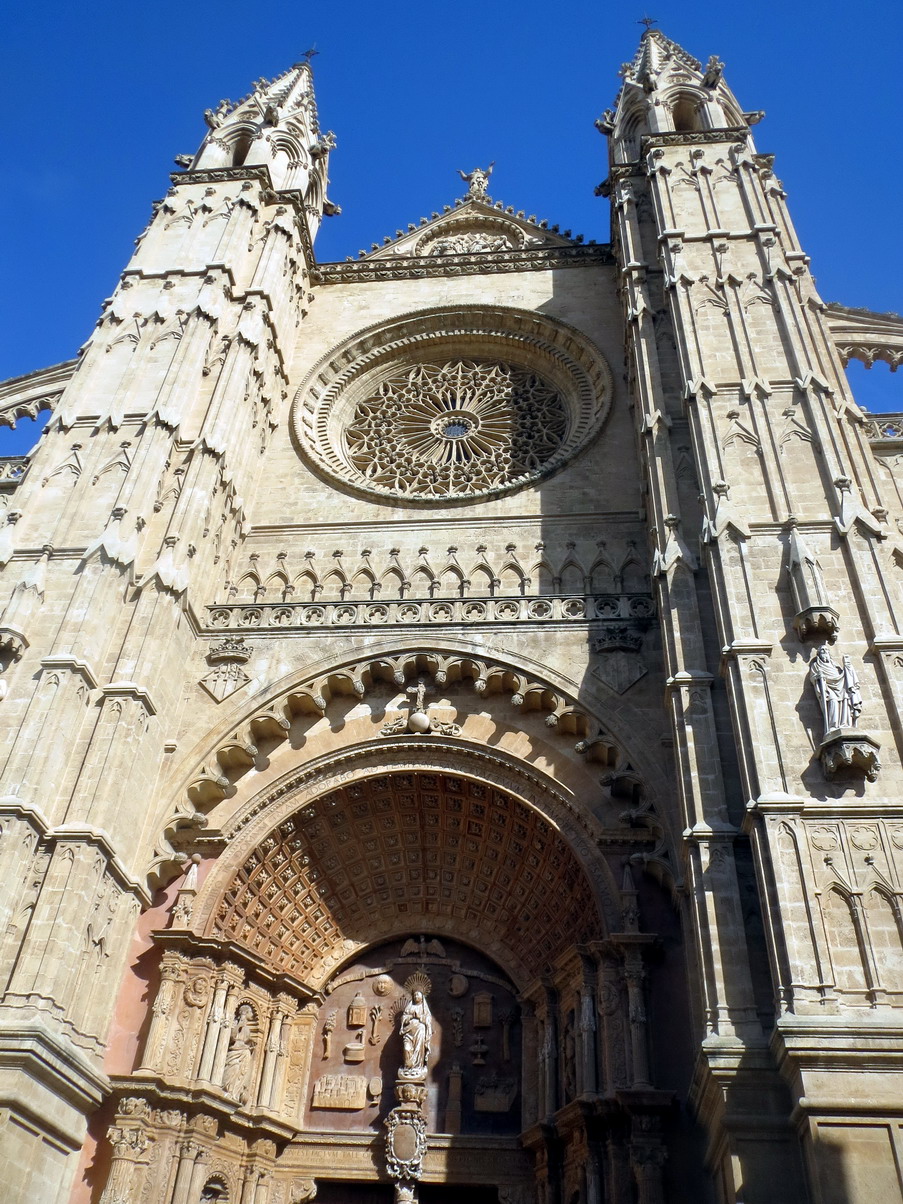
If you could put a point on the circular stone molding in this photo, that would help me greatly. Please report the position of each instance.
(447, 406)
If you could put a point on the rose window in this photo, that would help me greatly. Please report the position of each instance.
(455, 429)
(442, 407)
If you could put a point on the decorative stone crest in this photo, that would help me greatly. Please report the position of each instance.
(837, 690)
(619, 664)
(418, 721)
(227, 674)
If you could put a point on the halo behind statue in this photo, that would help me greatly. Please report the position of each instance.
(418, 982)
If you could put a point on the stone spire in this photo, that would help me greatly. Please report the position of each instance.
(274, 126)
(666, 90)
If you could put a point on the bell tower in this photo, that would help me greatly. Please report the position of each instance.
(151, 449)
(771, 543)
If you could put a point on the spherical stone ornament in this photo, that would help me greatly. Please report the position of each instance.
(419, 721)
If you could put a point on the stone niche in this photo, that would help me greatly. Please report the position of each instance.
(474, 1081)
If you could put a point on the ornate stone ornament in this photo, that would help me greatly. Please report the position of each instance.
(227, 674)
(451, 406)
(405, 1144)
(620, 666)
(418, 721)
(456, 428)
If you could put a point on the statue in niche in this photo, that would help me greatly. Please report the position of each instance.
(416, 1034)
(237, 1072)
(837, 689)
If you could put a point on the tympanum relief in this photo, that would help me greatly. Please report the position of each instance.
(429, 1013)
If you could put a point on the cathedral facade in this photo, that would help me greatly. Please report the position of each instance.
(452, 700)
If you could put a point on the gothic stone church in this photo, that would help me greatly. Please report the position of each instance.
(452, 700)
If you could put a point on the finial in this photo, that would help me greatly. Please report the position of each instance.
(648, 22)
(477, 181)
(309, 54)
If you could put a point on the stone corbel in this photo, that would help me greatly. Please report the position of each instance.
(723, 518)
(853, 511)
(846, 750)
(675, 550)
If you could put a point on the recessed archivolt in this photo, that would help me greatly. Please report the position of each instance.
(269, 725)
(439, 839)
(407, 852)
(558, 354)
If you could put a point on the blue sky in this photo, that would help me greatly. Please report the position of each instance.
(107, 93)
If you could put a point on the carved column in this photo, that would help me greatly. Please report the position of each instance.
(124, 1182)
(647, 1159)
(165, 1004)
(271, 1054)
(549, 1055)
(586, 1027)
(198, 1175)
(530, 1063)
(187, 1151)
(214, 1023)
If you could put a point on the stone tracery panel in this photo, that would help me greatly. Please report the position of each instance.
(405, 851)
(455, 428)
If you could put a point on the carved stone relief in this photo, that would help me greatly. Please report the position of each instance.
(422, 1040)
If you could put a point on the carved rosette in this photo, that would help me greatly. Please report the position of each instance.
(452, 405)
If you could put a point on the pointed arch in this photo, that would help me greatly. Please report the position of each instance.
(307, 586)
(364, 584)
(843, 940)
(335, 585)
(481, 582)
(544, 576)
(883, 920)
(393, 583)
(572, 577)
(634, 577)
(602, 577)
(453, 582)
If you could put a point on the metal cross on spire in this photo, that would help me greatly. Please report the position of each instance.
(309, 54)
(648, 22)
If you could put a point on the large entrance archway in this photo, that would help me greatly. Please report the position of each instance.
(273, 1056)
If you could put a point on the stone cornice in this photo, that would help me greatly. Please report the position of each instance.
(729, 133)
(272, 617)
(536, 259)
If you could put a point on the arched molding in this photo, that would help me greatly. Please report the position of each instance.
(303, 785)
(593, 731)
(561, 355)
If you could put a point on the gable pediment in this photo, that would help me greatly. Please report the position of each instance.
(472, 227)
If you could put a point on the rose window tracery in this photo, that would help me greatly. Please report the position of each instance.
(442, 407)
(457, 428)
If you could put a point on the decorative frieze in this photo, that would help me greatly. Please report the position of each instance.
(532, 259)
(300, 616)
